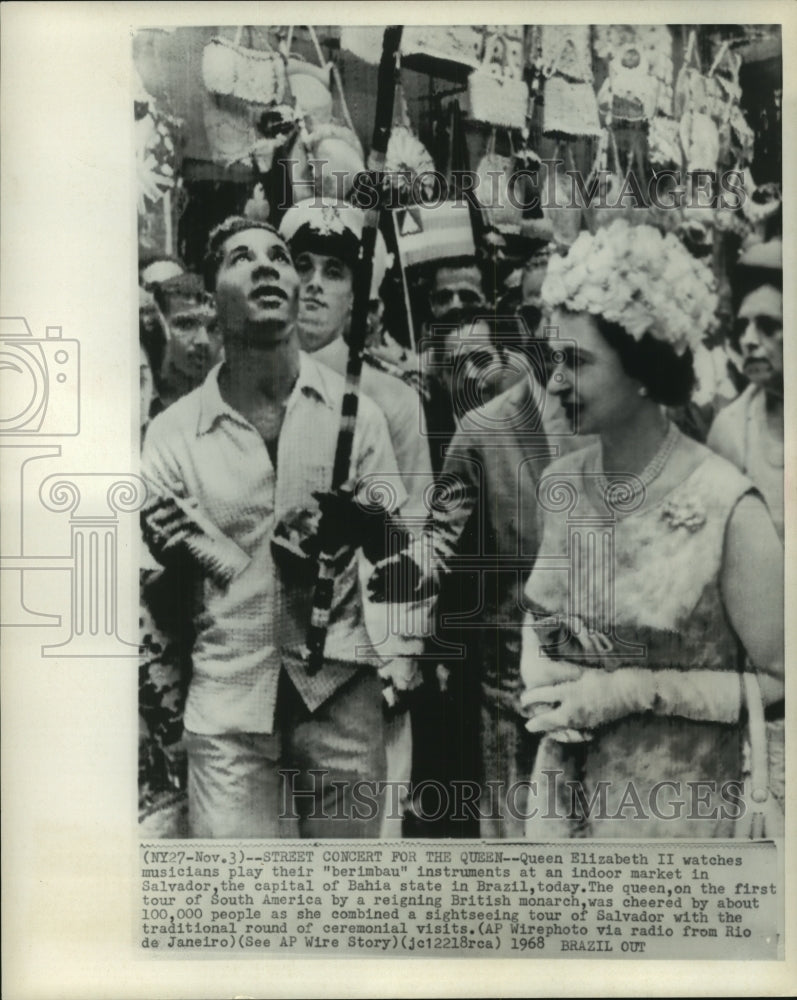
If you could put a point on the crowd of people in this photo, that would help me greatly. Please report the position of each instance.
(551, 591)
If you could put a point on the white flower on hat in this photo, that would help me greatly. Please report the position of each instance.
(638, 278)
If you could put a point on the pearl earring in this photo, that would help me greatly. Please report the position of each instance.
(642, 391)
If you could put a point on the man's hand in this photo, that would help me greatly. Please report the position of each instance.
(401, 579)
(373, 529)
(164, 525)
(399, 677)
(295, 547)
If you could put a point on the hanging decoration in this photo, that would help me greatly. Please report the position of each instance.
(713, 128)
(409, 167)
(310, 85)
(640, 69)
(664, 142)
(231, 69)
(243, 85)
(496, 174)
(497, 92)
(156, 168)
(459, 44)
(335, 156)
(561, 55)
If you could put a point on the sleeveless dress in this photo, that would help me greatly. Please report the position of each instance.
(646, 578)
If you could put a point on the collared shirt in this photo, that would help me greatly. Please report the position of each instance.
(204, 449)
(406, 422)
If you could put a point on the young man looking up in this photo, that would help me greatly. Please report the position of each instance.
(249, 448)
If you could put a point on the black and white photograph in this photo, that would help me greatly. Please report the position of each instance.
(462, 419)
(425, 596)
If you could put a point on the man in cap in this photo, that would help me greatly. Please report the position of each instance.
(324, 240)
(269, 745)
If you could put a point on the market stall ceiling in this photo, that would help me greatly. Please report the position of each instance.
(170, 63)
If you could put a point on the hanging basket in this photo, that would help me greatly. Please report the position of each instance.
(664, 143)
(241, 82)
(460, 44)
(338, 158)
(496, 91)
(564, 49)
(700, 140)
(496, 173)
(570, 108)
(310, 86)
(230, 130)
(230, 69)
(498, 100)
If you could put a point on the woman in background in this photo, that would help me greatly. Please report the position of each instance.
(749, 431)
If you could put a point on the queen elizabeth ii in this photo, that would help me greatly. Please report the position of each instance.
(659, 566)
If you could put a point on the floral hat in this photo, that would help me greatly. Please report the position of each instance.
(636, 277)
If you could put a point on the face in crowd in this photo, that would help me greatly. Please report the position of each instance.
(758, 337)
(456, 294)
(194, 341)
(146, 387)
(530, 309)
(256, 288)
(587, 376)
(325, 299)
(473, 369)
(148, 317)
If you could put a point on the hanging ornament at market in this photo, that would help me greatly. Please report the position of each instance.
(408, 164)
(257, 207)
(561, 55)
(156, 158)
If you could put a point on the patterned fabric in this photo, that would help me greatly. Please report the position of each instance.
(202, 448)
(163, 672)
(406, 422)
(649, 584)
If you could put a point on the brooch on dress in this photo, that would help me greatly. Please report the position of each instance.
(683, 514)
